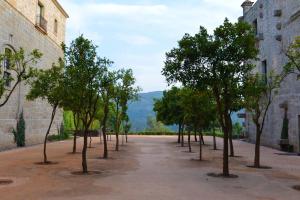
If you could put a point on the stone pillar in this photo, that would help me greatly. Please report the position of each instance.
(246, 6)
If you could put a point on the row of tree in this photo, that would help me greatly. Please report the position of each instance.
(190, 109)
(82, 83)
(217, 74)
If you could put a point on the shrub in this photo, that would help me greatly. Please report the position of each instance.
(64, 136)
(19, 132)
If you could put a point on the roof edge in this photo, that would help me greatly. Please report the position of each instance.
(62, 10)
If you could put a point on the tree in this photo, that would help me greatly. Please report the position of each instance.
(22, 67)
(123, 93)
(169, 110)
(83, 74)
(293, 55)
(198, 111)
(129, 93)
(155, 126)
(127, 127)
(218, 62)
(48, 85)
(258, 96)
(107, 91)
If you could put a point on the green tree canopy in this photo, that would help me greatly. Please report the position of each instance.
(218, 62)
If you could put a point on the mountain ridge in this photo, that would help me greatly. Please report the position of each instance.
(140, 110)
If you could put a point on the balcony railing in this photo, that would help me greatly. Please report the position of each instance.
(41, 23)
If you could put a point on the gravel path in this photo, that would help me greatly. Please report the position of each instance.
(153, 168)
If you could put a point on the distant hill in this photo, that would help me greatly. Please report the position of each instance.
(140, 110)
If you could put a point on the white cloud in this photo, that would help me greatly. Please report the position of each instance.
(125, 10)
(139, 40)
(138, 34)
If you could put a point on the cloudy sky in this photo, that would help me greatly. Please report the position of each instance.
(137, 33)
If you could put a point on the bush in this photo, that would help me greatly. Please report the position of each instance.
(285, 129)
(19, 133)
(64, 135)
(153, 133)
(237, 129)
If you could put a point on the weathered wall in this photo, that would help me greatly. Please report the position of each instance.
(17, 31)
(273, 51)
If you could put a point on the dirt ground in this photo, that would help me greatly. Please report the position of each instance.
(153, 168)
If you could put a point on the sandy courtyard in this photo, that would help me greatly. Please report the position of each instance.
(153, 168)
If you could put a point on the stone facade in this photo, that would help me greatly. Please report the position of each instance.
(277, 23)
(18, 28)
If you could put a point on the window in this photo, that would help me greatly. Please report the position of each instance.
(7, 63)
(55, 26)
(41, 10)
(7, 78)
(255, 26)
(41, 22)
(265, 70)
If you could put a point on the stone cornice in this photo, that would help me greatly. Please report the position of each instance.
(57, 4)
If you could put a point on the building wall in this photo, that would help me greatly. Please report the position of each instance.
(28, 8)
(17, 31)
(273, 51)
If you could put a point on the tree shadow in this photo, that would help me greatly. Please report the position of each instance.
(216, 175)
(296, 187)
(260, 167)
(5, 181)
(46, 163)
(89, 173)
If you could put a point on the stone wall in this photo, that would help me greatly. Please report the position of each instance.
(28, 9)
(17, 31)
(272, 49)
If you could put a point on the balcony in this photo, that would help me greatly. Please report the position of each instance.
(41, 24)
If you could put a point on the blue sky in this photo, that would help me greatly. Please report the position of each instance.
(137, 33)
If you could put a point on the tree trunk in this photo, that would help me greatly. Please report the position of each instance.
(117, 141)
(105, 138)
(182, 136)
(230, 139)
(76, 123)
(48, 132)
(225, 149)
(179, 132)
(189, 141)
(90, 145)
(75, 142)
(200, 152)
(126, 136)
(257, 148)
(195, 135)
(84, 162)
(214, 137)
(202, 138)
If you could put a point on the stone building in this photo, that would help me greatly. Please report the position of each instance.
(277, 23)
(30, 24)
